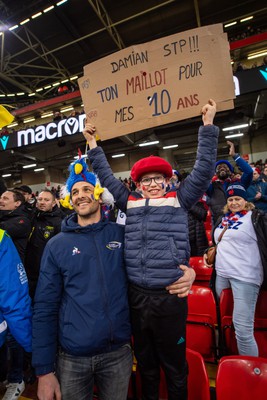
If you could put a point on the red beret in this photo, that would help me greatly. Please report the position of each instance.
(150, 164)
(257, 170)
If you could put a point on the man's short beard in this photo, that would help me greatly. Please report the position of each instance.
(224, 177)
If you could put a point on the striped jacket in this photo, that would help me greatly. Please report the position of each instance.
(156, 232)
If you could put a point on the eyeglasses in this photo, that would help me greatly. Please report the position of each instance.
(157, 179)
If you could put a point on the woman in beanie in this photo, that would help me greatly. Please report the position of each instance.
(241, 262)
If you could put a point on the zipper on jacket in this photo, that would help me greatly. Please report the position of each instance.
(144, 241)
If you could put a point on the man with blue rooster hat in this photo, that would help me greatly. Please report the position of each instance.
(81, 326)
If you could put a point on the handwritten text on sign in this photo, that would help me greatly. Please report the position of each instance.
(159, 82)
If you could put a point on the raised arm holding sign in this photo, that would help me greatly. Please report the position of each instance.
(158, 82)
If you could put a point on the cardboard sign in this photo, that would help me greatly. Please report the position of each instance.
(158, 82)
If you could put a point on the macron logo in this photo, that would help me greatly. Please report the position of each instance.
(4, 141)
(264, 74)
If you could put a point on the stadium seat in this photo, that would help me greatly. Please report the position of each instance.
(201, 322)
(198, 381)
(207, 223)
(227, 329)
(203, 273)
(208, 234)
(241, 377)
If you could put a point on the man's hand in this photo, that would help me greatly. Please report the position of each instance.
(89, 133)
(208, 112)
(258, 196)
(48, 387)
(182, 286)
(231, 148)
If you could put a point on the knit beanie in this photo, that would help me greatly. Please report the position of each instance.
(236, 189)
(229, 165)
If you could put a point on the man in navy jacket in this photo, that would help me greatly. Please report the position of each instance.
(81, 326)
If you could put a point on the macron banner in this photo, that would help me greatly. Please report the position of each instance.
(158, 82)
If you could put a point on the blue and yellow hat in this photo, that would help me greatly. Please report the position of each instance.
(79, 172)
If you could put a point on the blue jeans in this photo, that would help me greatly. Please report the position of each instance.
(109, 371)
(245, 298)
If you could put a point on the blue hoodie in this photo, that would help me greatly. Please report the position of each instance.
(81, 299)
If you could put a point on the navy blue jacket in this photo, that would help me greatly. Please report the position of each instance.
(258, 186)
(81, 298)
(156, 232)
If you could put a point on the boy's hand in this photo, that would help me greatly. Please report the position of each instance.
(231, 148)
(182, 286)
(89, 133)
(208, 112)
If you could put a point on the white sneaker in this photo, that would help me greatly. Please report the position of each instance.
(14, 390)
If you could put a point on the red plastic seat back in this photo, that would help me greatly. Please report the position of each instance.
(241, 378)
(201, 302)
(209, 237)
(203, 273)
(201, 321)
(198, 381)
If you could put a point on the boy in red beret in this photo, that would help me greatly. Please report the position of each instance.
(157, 252)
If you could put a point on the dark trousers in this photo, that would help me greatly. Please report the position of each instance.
(159, 331)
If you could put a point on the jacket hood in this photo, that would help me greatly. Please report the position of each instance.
(70, 224)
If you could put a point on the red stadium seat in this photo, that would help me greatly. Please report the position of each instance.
(198, 381)
(227, 329)
(201, 322)
(208, 234)
(207, 223)
(203, 273)
(241, 377)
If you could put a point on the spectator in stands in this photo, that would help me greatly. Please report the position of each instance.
(175, 179)
(46, 223)
(264, 61)
(217, 190)
(241, 261)
(263, 175)
(57, 116)
(81, 302)
(156, 251)
(197, 233)
(2, 186)
(14, 219)
(15, 307)
(257, 191)
(30, 201)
